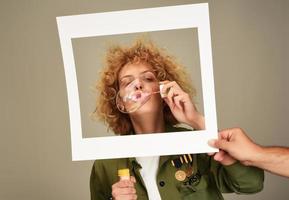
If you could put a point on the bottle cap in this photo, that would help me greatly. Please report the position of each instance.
(161, 93)
(123, 172)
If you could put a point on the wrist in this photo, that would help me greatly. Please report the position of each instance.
(198, 122)
(257, 157)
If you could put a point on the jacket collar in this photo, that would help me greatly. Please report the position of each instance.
(133, 164)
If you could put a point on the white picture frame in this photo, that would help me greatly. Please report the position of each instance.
(135, 21)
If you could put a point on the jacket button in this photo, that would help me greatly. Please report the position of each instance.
(162, 183)
(193, 179)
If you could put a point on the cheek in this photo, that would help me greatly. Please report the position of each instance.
(156, 88)
(152, 87)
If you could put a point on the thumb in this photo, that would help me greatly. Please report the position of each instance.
(168, 102)
(220, 144)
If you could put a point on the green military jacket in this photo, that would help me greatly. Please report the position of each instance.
(208, 181)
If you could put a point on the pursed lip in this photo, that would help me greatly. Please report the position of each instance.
(138, 95)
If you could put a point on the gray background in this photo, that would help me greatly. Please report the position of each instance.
(250, 54)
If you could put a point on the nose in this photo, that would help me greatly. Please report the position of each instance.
(138, 84)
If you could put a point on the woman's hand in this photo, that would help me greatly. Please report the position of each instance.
(181, 105)
(124, 190)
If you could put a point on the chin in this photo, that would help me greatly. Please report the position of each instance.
(152, 106)
(149, 108)
(144, 110)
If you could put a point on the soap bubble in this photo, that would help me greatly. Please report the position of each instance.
(132, 97)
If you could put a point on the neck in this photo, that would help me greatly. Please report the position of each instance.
(148, 123)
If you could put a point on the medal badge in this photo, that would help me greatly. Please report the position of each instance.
(180, 175)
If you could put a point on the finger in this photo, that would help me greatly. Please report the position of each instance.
(169, 98)
(126, 197)
(178, 100)
(124, 191)
(167, 101)
(219, 156)
(222, 144)
(212, 143)
(211, 153)
(164, 82)
(225, 134)
(170, 84)
(123, 184)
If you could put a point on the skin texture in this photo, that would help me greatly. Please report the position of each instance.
(150, 118)
(236, 143)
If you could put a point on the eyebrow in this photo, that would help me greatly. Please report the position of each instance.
(127, 76)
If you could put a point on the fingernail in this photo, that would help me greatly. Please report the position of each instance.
(212, 142)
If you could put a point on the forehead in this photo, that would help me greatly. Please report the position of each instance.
(134, 69)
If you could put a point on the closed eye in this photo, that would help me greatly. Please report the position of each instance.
(149, 79)
(125, 83)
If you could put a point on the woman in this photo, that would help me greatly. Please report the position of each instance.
(141, 68)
